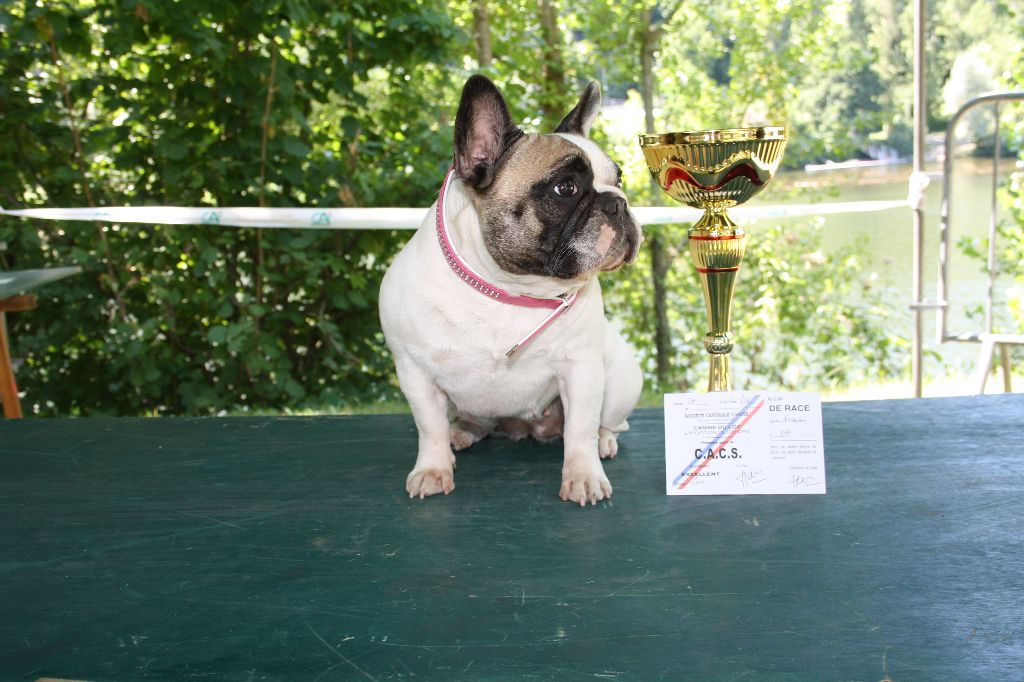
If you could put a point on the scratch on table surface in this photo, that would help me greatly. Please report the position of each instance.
(545, 642)
(337, 653)
(1012, 470)
(850, 407)
(885, 664)
(39, 453)
(210, 518)
(8, 566)
(398, 674)
(626, 587)
(871, 626)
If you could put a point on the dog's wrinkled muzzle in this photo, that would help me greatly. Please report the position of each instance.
(620, 231)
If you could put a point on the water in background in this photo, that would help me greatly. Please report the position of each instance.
(890, 239)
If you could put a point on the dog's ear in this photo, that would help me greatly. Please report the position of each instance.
(483, 132)
(579, 120)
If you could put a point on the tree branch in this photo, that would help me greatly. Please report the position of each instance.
(79, 159)
(669, 13)
(266, 119)
(482, 33)
(258, 275)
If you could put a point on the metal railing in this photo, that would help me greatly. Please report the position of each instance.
(988, 338)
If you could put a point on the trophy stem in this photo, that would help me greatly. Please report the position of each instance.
(717, 247)
(719, 378)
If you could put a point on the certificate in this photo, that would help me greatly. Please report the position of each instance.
(743, 443)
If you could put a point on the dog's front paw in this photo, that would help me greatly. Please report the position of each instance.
(425, 481)
(585, 483)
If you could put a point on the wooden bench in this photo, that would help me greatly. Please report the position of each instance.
(989, 342)
(8, 387)
(13, 298)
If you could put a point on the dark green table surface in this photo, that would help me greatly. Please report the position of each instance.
(286, 549)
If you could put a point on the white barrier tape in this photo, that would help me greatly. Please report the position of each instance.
(659, 215)
(332, 218)
(396, 218)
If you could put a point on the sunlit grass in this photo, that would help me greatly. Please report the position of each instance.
(893, 389)
(945, 386)
(381, 407)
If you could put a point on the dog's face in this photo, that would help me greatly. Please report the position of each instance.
(549, 205)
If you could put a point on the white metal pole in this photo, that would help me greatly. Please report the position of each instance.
(920, 123)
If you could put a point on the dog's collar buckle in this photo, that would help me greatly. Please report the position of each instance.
(566, 302)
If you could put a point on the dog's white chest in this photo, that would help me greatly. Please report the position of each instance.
(480, 380)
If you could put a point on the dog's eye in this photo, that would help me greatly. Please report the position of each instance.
(566, 188)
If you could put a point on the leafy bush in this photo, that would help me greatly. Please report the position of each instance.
(802, 320)
(317, 103)
(200, 103)
(1008, 294)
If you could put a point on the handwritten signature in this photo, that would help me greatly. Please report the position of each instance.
(749, 478)
(799, 481)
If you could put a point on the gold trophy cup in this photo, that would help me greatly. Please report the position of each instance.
(715, 170)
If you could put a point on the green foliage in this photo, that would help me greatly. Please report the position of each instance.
(1008, 289)
(318, 103)
(194, 103)
(816, 319)
(802, 319)
(1008, 279)
(1008, 299)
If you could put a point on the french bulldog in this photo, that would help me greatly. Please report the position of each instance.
(511, 252)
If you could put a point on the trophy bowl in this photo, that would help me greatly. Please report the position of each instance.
(715, 170)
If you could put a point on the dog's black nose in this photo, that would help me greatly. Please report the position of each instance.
(612, 204)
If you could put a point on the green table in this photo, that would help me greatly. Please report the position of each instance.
(286, 549)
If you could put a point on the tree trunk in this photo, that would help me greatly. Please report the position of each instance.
(660, 258)
(482, 34)
(553, 70)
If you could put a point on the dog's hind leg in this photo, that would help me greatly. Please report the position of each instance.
(548, 426)
(466, 430)
(545, 427)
